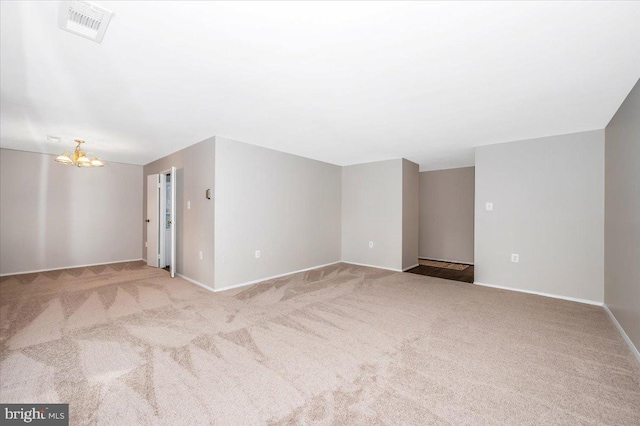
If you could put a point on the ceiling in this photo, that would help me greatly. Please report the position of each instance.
(339, 82)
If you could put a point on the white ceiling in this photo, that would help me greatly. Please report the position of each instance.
(340, 82)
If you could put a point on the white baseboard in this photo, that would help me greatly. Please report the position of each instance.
(274, 277)
(372, 266)
(198, 283)
(555, 296)
(410, 267)
(626, 338)
(69, 267)
(446, 260)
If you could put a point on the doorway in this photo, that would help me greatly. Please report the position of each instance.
(165, 202)
(161, 220)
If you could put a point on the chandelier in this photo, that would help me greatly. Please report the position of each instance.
(78, 158)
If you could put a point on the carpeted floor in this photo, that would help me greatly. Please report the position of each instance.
(343, 344)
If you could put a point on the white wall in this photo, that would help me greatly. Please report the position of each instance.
(55, 216)
(548, 207)
(372, 211)
(447, 214)
(195, 226)
(410, 213)
(286, 206)
(622, 216)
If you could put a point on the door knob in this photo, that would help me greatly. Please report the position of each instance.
(147, 220)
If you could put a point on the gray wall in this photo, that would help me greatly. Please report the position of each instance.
(410, 213)
(622, 216)
(372, 211)
(195, 226)
(55, 216)
(548, 207)
(286, 206)
(447, 214)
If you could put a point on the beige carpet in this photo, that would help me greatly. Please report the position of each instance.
(338, 345)
(446, 265)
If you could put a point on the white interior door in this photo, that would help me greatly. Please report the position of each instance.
(153, 218)
(174, 184)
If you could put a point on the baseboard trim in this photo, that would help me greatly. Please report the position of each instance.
(274, 277)
(624, 335)
(446, 260)
(539, 293)
(410, 267)
(70, 267)
(198, 283)
(372, 266)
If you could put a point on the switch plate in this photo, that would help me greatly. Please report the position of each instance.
(200, 255)
(370, 244)
(488, 207)
(257, 254)
(188, 205)
(146, 244)
(515, 258)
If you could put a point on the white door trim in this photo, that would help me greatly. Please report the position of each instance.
(173, 221)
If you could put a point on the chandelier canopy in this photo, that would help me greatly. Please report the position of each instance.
(79, 158)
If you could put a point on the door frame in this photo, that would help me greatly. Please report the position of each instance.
(161, 218)
(162, 202)
(174, 184)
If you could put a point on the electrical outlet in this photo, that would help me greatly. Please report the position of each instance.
(488, 207)
(370, 244)
(515, 258)
(200, 255)
(257, 254)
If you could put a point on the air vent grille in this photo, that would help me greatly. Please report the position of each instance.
(84, 19)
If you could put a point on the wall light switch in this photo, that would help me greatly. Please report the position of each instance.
(370, 244)
(200, 254)
(257, 254)
(146, 244)
(515, 258)
(488, 207)
(188, 205)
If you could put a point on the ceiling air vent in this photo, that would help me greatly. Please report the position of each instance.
(84, 19)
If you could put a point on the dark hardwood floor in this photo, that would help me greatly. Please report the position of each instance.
(465, 275)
